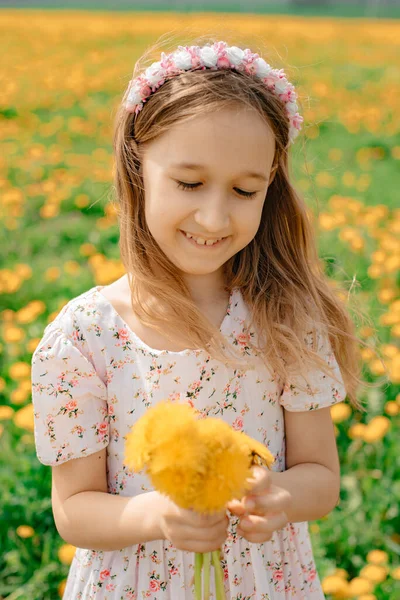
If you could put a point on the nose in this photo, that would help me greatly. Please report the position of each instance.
(213, 215)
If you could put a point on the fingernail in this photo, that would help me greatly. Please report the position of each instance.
(251, 480)
(249, 504)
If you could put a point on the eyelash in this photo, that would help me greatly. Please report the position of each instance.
(192, 186)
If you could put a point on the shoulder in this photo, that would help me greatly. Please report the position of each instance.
(70, 324)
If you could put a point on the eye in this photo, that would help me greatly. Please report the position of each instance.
(192, 186)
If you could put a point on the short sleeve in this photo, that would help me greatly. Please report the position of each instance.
(69, 401)
(323, 390)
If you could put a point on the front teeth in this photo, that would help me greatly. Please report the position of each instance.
(202, 241)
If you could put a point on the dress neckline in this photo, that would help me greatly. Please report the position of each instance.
(139, 342)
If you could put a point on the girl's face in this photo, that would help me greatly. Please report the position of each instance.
(226, 200)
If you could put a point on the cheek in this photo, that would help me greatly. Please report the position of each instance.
(248, 222)
(159, 213)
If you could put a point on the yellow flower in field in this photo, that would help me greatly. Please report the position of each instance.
(37, 306)
(201, 464)
(341, 573)
(24, 417)
(335, 585)
(25, 315)
(376, 429)
(87, 249)
(340, 412)
(71, 267)
(66, 553)
(395, 574)
(61, 588)
(19, 396)
(23, 270)
(375, 573)
(52, 273)
(392, 408)
(25, 531)
(13, 334)
(6, 412)
(377, 557)
(360, 585)
(32, 345)
(82, 200)
(357, 430)
(20, 370)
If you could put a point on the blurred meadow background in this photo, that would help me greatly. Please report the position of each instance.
(62, 77)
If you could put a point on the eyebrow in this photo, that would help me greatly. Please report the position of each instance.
(199, 167)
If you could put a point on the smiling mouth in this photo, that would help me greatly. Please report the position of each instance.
(191, 240)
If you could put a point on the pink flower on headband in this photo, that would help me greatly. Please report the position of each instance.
(215, 56)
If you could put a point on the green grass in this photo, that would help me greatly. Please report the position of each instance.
(334, 9)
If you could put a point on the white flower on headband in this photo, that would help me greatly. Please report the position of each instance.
(216, 56)
(183, 60)
(263, 69)
(235, 55)
(153, 73)
(209, 56)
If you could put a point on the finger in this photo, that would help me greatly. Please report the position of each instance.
(255, 523)
(261, 480)
(276, 500)
(201, 534)
(204, 519)
(236, 507)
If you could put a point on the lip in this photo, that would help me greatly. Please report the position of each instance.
(203, 246)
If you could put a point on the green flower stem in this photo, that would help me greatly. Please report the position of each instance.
(219, 576)
(206, 575)
(198, 565)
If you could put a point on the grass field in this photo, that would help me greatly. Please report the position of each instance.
(344, 8)
(63, 77)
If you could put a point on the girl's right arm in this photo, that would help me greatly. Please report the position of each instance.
(87, 516)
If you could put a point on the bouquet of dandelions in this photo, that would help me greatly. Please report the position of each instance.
(200, 464)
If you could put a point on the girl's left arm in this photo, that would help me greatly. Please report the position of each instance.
(314, 490)
(312, 473)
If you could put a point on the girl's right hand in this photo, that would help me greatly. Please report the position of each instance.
(192, 531)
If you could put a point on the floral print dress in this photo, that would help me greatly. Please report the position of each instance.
(92, 378)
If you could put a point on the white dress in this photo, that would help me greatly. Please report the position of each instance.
(92, 378)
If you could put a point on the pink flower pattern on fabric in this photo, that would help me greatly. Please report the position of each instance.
(92, 378)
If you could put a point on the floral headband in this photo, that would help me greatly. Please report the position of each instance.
(215, 56)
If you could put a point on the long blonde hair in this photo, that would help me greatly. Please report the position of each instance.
(279, 272)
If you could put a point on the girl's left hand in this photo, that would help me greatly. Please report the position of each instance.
(267, 514)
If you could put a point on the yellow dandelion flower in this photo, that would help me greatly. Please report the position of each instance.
(159, 427)
(179, 484)
(61, 588)
(377, 557)
(201, 464)
(25, 531)
(259, 452)
(66, 553)
(227, 461)
(360, 585)
(333, 584)
(375, 573)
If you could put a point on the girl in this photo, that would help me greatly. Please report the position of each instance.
(224, 306)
